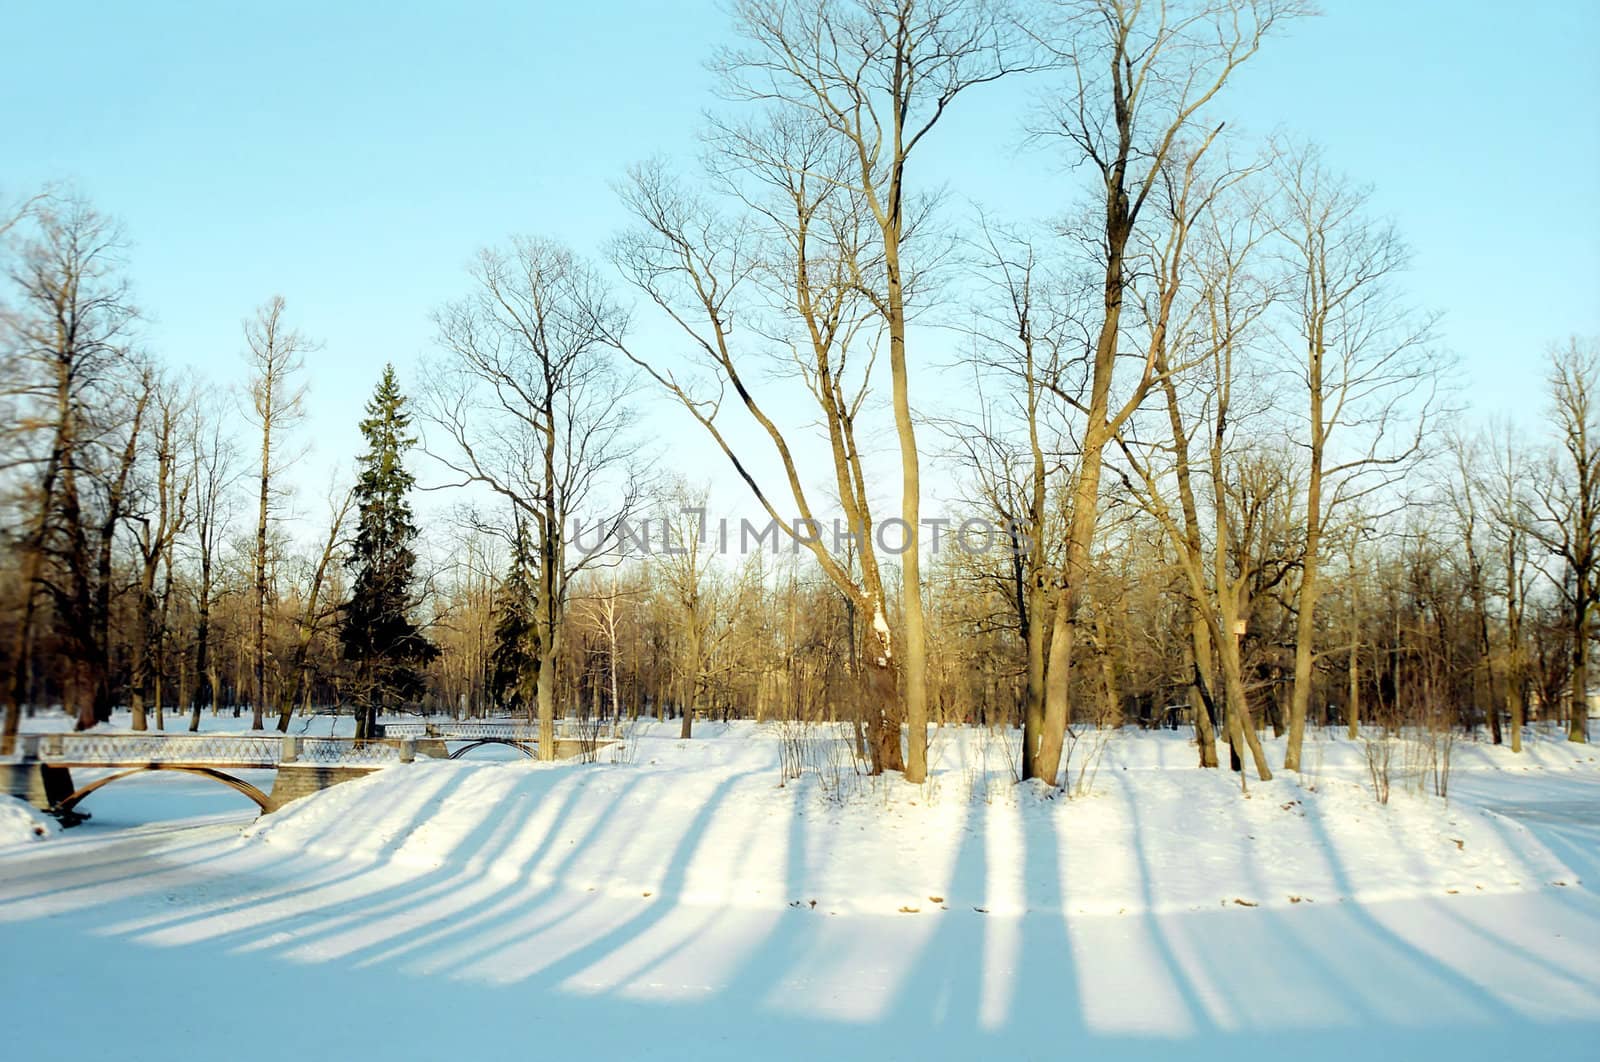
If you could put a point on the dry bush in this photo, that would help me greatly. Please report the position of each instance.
(1380, 754)
(1086, 746)
(841, 772)
(625, 750)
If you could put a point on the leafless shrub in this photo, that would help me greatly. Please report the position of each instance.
(591, 731)
(840, 772)
(1380, 752)
(976, 767)
(1093, 738)
(1427, 759)
(1443, 743)
(794, 748)
(625, 749)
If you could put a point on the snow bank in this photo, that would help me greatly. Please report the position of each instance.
(21, 822)
(664, 910)
(706, 822)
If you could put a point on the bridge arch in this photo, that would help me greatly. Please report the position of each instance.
(527, 748)
(239, 785)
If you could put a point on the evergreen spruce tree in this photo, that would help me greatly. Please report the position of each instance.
(376, 632)
(514, 660)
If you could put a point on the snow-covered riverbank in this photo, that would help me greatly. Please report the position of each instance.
(664, 908)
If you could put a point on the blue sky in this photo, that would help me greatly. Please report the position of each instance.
(353, 156)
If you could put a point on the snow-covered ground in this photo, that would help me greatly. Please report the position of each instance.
(20, 822)
(684, 904)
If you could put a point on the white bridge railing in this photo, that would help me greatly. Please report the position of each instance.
(209, 750)
(398, 745)
(499, 730)
(117, 749)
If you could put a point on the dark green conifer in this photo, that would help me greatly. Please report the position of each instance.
(514, 660)
(377, 631)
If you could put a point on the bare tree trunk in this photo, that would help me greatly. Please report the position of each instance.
(1199, 633)
(277, 354)
(1578, 720)
(22, 644)
(1085, 511)
(1306, 601)
(1353, 692)
(914, 667)
(1514, 663)
(1202, 700)
(204, 668)
(548, 648)
(259, 584)
(311, 617)
(691, 681)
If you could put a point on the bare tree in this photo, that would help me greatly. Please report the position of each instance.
(1504, 484)
(605, 607)
(683, 561)
(81, 397)
(785, 268)
(215, 460)
(1365, 366)
(81, 578)
(529, 404)
(296, 686)
(1224, 301)
(276, 354)
(465, 602)
(1489, 503)
(158, 513)
(1031, 335)
(1138, 78)
(1564, 513)
(1356, 532)
(874, 79)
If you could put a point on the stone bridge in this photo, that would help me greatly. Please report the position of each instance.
(572, 737)
(41, 772)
